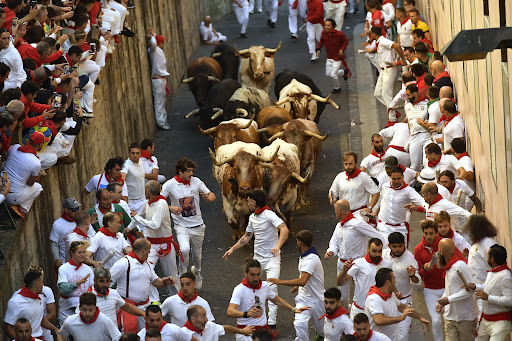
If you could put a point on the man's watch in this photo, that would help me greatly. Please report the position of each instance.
(246, 314)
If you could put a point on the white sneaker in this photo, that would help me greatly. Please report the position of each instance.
(87, 114)
(314, 57)
(199, 278)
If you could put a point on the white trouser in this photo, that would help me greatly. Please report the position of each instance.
(292, 14)
(158, 86)
(271, 7)
(345, 289)
(25, 197)
(372, 57)
(314, 33)
(336, 12)
(47, 158)
(91, 69)
(403, 158)
(258, 5)
(123, 11)
(301, 321)
(101, 56)
(384, 87)
(272, 268)
(351, 6)
(110, 21)
(331, 70)
(169, 268)
(190, 239)
(242, 14)
(47, 334)
(386, 230)
(431, 298)
(416, 151)
(405, 325)
(87, 99)
(212, 38)
(59, 147)
(494, 331)
(354, 311)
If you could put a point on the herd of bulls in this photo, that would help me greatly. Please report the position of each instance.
(240, 115)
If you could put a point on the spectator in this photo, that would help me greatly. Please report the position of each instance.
(4, 73)
(209, 36)
(158, 79)
(6, 121)
(11, 57)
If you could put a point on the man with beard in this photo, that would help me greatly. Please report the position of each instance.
(362, 271)
(389, 164)
(168, 331)
(445, 231)
(467, 196)
(373, 164)
(415, 109)
(336, 322)
(405, 270)
(23, 330)
(354, 186)
(133, 174)
(384, 309)
(460, 308)
(363, 331)
(247, 303)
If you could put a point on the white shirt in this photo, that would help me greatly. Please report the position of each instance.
(399, 266)
(401, 95)
(405, 32)
(336, 327)
(247, 298)
(385, 51)
(462, 304)
(74, 237)
(363, 274)
(413, 112)
(206, 32)
(453, 130)
(101, 244)
(498, 285)
(100, 181)
(477, 258)
(351, 239)
(108, 304)
(409, 178)
(135, 180)
(156, 219)
(376, 305)
(468, 166)
(434, 114)
(355, 190)
(460, 242)
(180, 195)
(466, 193)
(264, 226)
(20, 166)
(176, 308)
(169, 332)
(211, 332)
(12, 58)
(374, 164)
(447, 162)
(376, 336)
(69, 274)
(103, 329)
(392, 209)
(314, 290)
(61, 229)
(149, 164)
(400, 134)
(157, 60)
(458, 215)
(141, 277)
(32, 309)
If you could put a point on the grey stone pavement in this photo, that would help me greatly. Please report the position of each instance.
(350, 128)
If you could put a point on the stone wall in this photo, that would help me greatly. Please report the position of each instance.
(123, 114)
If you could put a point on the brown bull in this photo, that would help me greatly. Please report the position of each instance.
(257, 69)
(270, 119)
(202, 74)
(305, 135)
(237, 168)
(238, 129)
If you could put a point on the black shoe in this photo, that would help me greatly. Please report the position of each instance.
(273, 25)
(243, 35)
(127, 32)
(130, 5)
(345, 76)
(269, 22)
(356, 10)
(97, 82)
(335, 91)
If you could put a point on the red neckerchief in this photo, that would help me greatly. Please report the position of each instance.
(190, 326)
(97, 293)
(449, 119)
(246, 283)
(457, 256)
(162, 324)
(405, 21)
(442, 118)
(340, 311)
(434, 163)
(436, 200)
(66, 217)
(443, 74)
(107, 232)
(374, 153)
(105, 210)
(145, 154)
(25, 292)
(354, 174)
(72, 262)
(452, 189)
(80, 232)
(500, 268)
(94, 317)
(347, 218)
(28, 149)
(31, 339)
(369, 260)
(116, 202)
(261, 209)
(181, 181)
(401, 187)
(156, 199)
(386, 2)
(432, 248)
(187, 300)
(419, 97)
(118, 180)
(451, 234)
(69, 60)
(382, 294)
(461, 155)
(133, 255)
(369, 336)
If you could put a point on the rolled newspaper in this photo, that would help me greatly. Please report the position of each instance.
(459, 194)
(462, 278)
(361, 51)
(433, 261)
(107, 257)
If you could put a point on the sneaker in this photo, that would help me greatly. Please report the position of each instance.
(273, 25)
(87, 114)
(42, 172)
(19, 211)
(130, 5)
(259, 10)
(164, 127)
(127, 32)
(294, 36)
(314, 57)
(336, 91)
(251, 11)
(199, 278)
(243, 35)
(345, 74)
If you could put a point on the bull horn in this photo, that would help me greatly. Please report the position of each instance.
(284, 100)
(216, 54)
(217, 114)
(300, 178)
(275, 136)
(266, 165)
(320, 137)
(214, 158)
(241, 52)
(192, 113)
(320, 98)
(242, 111)
(274, 50)
(207, 131)
(213, 79)
(271, 158)
(187, 80)
(250, 122)
(331, 102)
(262, 130)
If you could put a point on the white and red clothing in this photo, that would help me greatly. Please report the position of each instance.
(404, 30)
(363, 272)
(176, 307)
(334, 41)
(419, 135)
(496, 321)
(169, 332)
(99, 328)
(376, 336)
(453, 128)
(399, 144)
(378, 20)
(159, 73)
(458, 215)
(78, 235)
(460, 242)
(211, 331)
(477, 258)
(105, 241)
(48, 298)
(385, 53)
(378, 302)
(135, 184)
(446, 162)
(101, 181)
(296, 8)
(355, 188)
(335, 9)
(466, 193)
(61, 228)
(29, 305)
(150, 162)
(374, 163)
(468, 165)
(409, 177)
(109, 304)
(434, 116)
(337, 324)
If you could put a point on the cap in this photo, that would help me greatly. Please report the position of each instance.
(159, 39)
(71, 203)
(391, 161)
(38, 137)
(427, 175)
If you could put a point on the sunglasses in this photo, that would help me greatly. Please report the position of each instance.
(77, 243)
(76, 209)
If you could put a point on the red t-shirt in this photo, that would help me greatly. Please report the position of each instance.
(379, 21)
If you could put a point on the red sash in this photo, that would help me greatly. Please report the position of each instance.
(169, 241)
